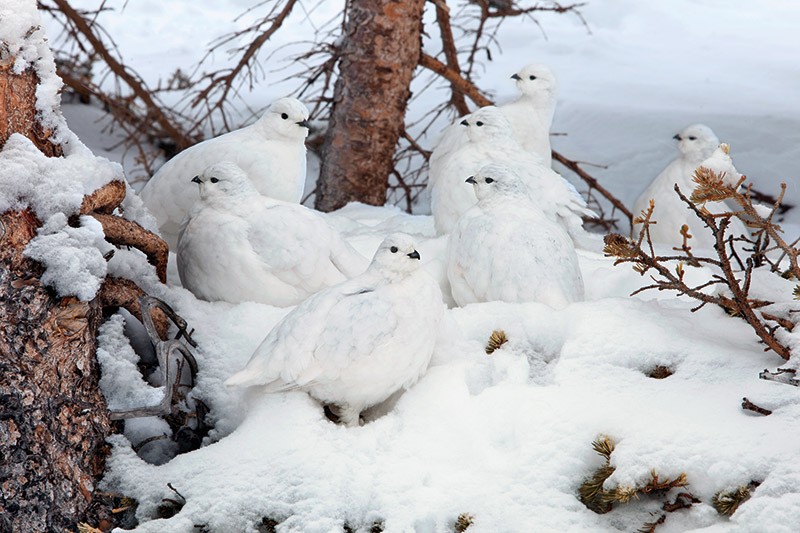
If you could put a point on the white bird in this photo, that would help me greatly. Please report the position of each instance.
(505, 248)
(698, 146)
(236, 245)
(490, 140)
(355, 344)
(271, 151)
(531, 114)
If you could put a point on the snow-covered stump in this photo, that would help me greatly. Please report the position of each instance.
(57, 228)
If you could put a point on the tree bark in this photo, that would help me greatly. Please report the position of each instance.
(53, 417)
(380, 51)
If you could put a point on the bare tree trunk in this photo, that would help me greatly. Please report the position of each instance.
(53, 418)
(379, 53)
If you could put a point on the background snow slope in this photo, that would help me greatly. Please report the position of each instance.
(507, 437)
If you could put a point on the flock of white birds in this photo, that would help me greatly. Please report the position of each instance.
(361, 331)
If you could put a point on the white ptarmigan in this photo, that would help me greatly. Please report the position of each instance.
(236, 245)
(505, 248)
(490, 140)
(698, 146)
(271, 151)
(355, 344)
(531, 114)
(530, 117)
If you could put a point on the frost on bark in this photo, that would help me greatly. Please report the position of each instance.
(379, 53)
(53, 418)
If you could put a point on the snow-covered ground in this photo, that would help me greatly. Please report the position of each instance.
(506, 437)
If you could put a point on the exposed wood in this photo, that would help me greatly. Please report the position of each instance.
(379, 54)
(18, 110)
(122, 232)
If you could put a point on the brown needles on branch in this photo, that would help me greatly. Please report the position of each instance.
(731, 273)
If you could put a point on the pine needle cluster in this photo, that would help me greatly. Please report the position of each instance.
(726, 503)
(463, 522)
(496, 340)
(600, 500)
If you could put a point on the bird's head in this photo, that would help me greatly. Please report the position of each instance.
(488, 124)
(697, 142)
(223, 179)
(286, 118)
(535, 80)
(397, 254)
(496, 179)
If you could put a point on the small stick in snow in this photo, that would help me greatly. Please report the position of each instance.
(747, 405)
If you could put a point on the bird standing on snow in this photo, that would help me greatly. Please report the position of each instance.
(531, 115)
(698, 146)
(236, 245)
(490, 140)
(355, 344)
(505, 248)
(271, 151)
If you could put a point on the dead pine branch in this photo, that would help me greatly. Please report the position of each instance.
(668, 272)
(135, 83)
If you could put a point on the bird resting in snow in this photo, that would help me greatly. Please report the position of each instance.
(698, 146)
(531, 114)
(236, 245)
(490, 140)
(271, 151)
(505, 248)
(355, 344)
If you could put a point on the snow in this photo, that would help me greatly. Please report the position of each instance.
(504, 437)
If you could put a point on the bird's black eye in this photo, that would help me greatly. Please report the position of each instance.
(213, 180)
(531, 77)
(479, 123)
(393, 249)
(489, 180)
(284, 116)
(692, 138)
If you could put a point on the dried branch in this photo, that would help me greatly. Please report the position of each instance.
(450, 53)
(747, 405)
(136, 84)
(711, 187)
(224, 80)
(119, 292)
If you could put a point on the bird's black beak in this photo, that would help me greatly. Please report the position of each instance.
(304, 123)
(414, 255)
(196, 179)
(515, 77)
(677, 137)
(464, 122)
(470, 179)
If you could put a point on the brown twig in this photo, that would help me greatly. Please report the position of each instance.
(119, 292)
(747, 405)
(137, 85)
(450, 53)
